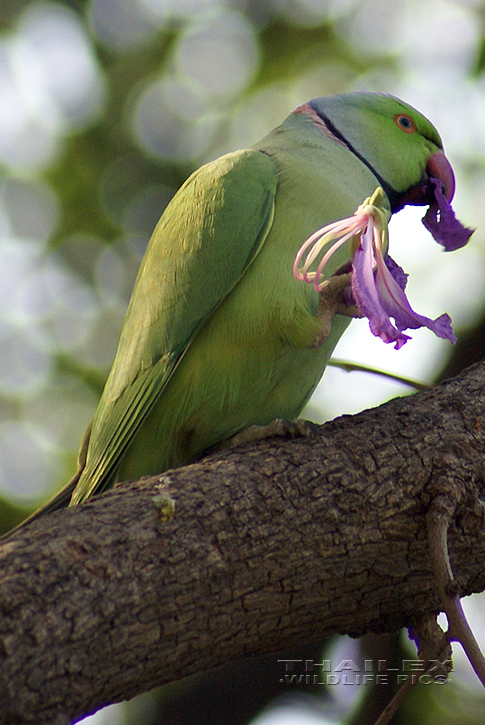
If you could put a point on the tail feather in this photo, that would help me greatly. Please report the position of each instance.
(59, 501)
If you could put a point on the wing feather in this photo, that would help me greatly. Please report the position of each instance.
(208, 236)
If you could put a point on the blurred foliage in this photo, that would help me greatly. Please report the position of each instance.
(450, 704)
(106, 107)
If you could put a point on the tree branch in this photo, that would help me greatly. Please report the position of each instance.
(247, 552)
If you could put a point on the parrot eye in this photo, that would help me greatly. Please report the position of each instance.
(405, 122)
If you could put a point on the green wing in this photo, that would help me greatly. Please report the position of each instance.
(208, 236)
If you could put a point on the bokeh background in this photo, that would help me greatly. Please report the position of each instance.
(106, 106)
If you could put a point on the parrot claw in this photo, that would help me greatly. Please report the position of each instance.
(333, 301)
(277, 428)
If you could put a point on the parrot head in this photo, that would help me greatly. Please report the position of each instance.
(372, 124)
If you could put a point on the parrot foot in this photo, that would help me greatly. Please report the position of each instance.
(277, 428)
(332, 301)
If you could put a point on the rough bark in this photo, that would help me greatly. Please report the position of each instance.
(247, 552)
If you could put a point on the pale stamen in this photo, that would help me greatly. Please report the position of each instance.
(341, 231)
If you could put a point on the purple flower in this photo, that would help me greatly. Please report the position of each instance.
(377, 282)
(446, 230)
(378, 288)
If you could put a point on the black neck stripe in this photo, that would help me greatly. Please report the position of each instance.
(392, 194)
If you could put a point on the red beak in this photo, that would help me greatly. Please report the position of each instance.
(439, 168)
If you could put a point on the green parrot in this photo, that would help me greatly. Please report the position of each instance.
(219, 334)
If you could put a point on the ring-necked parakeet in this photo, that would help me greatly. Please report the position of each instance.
(220, 334)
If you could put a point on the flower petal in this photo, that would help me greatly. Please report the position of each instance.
(366, 294)
(380, 295)
(396, 305)
(397, 272)
(447, 231)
